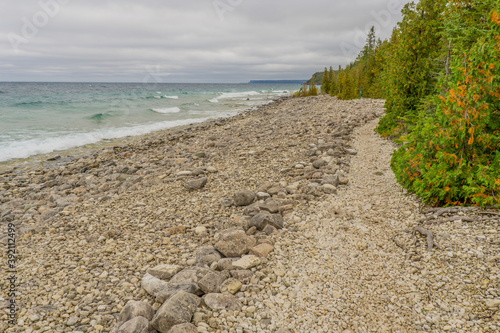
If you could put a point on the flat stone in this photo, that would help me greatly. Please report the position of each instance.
(136, 309)
(196, 184)
(261, 250)
(164, 272)
(179, 309)
(218, 302)
(244, 198)
(234, 243)
(247, 262)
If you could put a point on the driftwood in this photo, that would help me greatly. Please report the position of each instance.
(430, 237)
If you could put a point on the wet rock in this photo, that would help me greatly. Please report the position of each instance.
(244, 198)
(218, 302)
(179, 309)
(234, 243)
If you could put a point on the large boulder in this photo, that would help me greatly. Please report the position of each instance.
(171, 289)
(136, 309)
(179, 309)
(206, 255)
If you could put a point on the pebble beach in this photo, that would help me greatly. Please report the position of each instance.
(286, 218)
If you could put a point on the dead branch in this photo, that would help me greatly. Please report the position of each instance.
(451, 219)
(428, 233)
(401, 246)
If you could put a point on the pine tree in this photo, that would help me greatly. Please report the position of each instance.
(326, 82)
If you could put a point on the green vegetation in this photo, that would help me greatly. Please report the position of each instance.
(308, 89)
(440, 76)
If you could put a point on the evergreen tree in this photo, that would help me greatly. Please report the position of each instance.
(325, 82)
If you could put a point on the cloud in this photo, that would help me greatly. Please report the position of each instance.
(190, 41)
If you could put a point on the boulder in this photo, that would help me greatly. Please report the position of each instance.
(244, 198)
(184, 328)
(247, 262)
(234, 243)
(152, 284)
(173, 288)
(212, 281)
(179, 309)
(164, 272)
(242, 275)
(135, 325)
(206, 255)
(190, 274)
(136, 309)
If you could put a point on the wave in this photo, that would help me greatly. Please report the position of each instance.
(213, 100)
(26, 148)
(167, 110)
(100, 116)
(28, 103)
(239, 94)
(171, 97)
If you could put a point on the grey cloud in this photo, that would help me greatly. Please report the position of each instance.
(190, 41)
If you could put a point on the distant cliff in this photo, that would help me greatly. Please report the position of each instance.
(279, 81)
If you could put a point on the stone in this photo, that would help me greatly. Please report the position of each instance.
(319, 163)
(184, 328)
(234, 243)
(212, 281)
(190, 274)
(247, 262)
(196, 184)
(493, 303)
(230, 286)
(242, 275)
(152, 284)
(135, 325)
(270, 205)
(329, 189)
(173, 288)
(270, 230)
(251, 210)
(217, 302)
(262, 219)
(261, 250)
(263, 195)
(350, 151)
(226, 264)
(331, 180)
(227, 202)
(206, 255)
(179, 309)
(164, 272)
(244, 198)
(201, 231)
(136, 309)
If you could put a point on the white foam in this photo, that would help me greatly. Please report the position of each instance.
(158, 97)
(26, 148)
(171, 97)
(238, 94)
(213, 100)
(167, 110)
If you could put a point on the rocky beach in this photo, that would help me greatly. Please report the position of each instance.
(286, 218)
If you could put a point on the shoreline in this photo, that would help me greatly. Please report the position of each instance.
(86, 150)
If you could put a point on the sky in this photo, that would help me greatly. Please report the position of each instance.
(184, 40)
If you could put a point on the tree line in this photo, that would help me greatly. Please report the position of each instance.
(440, 76)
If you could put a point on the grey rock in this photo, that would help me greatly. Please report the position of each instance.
(350, 151)
(242, 275)
(270, 205)
(244, 198)
(218, 302)
(226, 264)
(164, 272)
(332, 180)
(251, 210)
(179, 309)
(135, 325)
(136, 309)
(196, 184)
(173, 288)
(206, 255)
(270, 230)
(227, 202)
(261, 220)
(184, 328)
(212, 281)
(190, 274)
(234, 243)
(152, 284)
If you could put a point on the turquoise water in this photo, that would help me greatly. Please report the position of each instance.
(39, 118)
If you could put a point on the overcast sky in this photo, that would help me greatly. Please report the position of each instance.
(184, 40)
